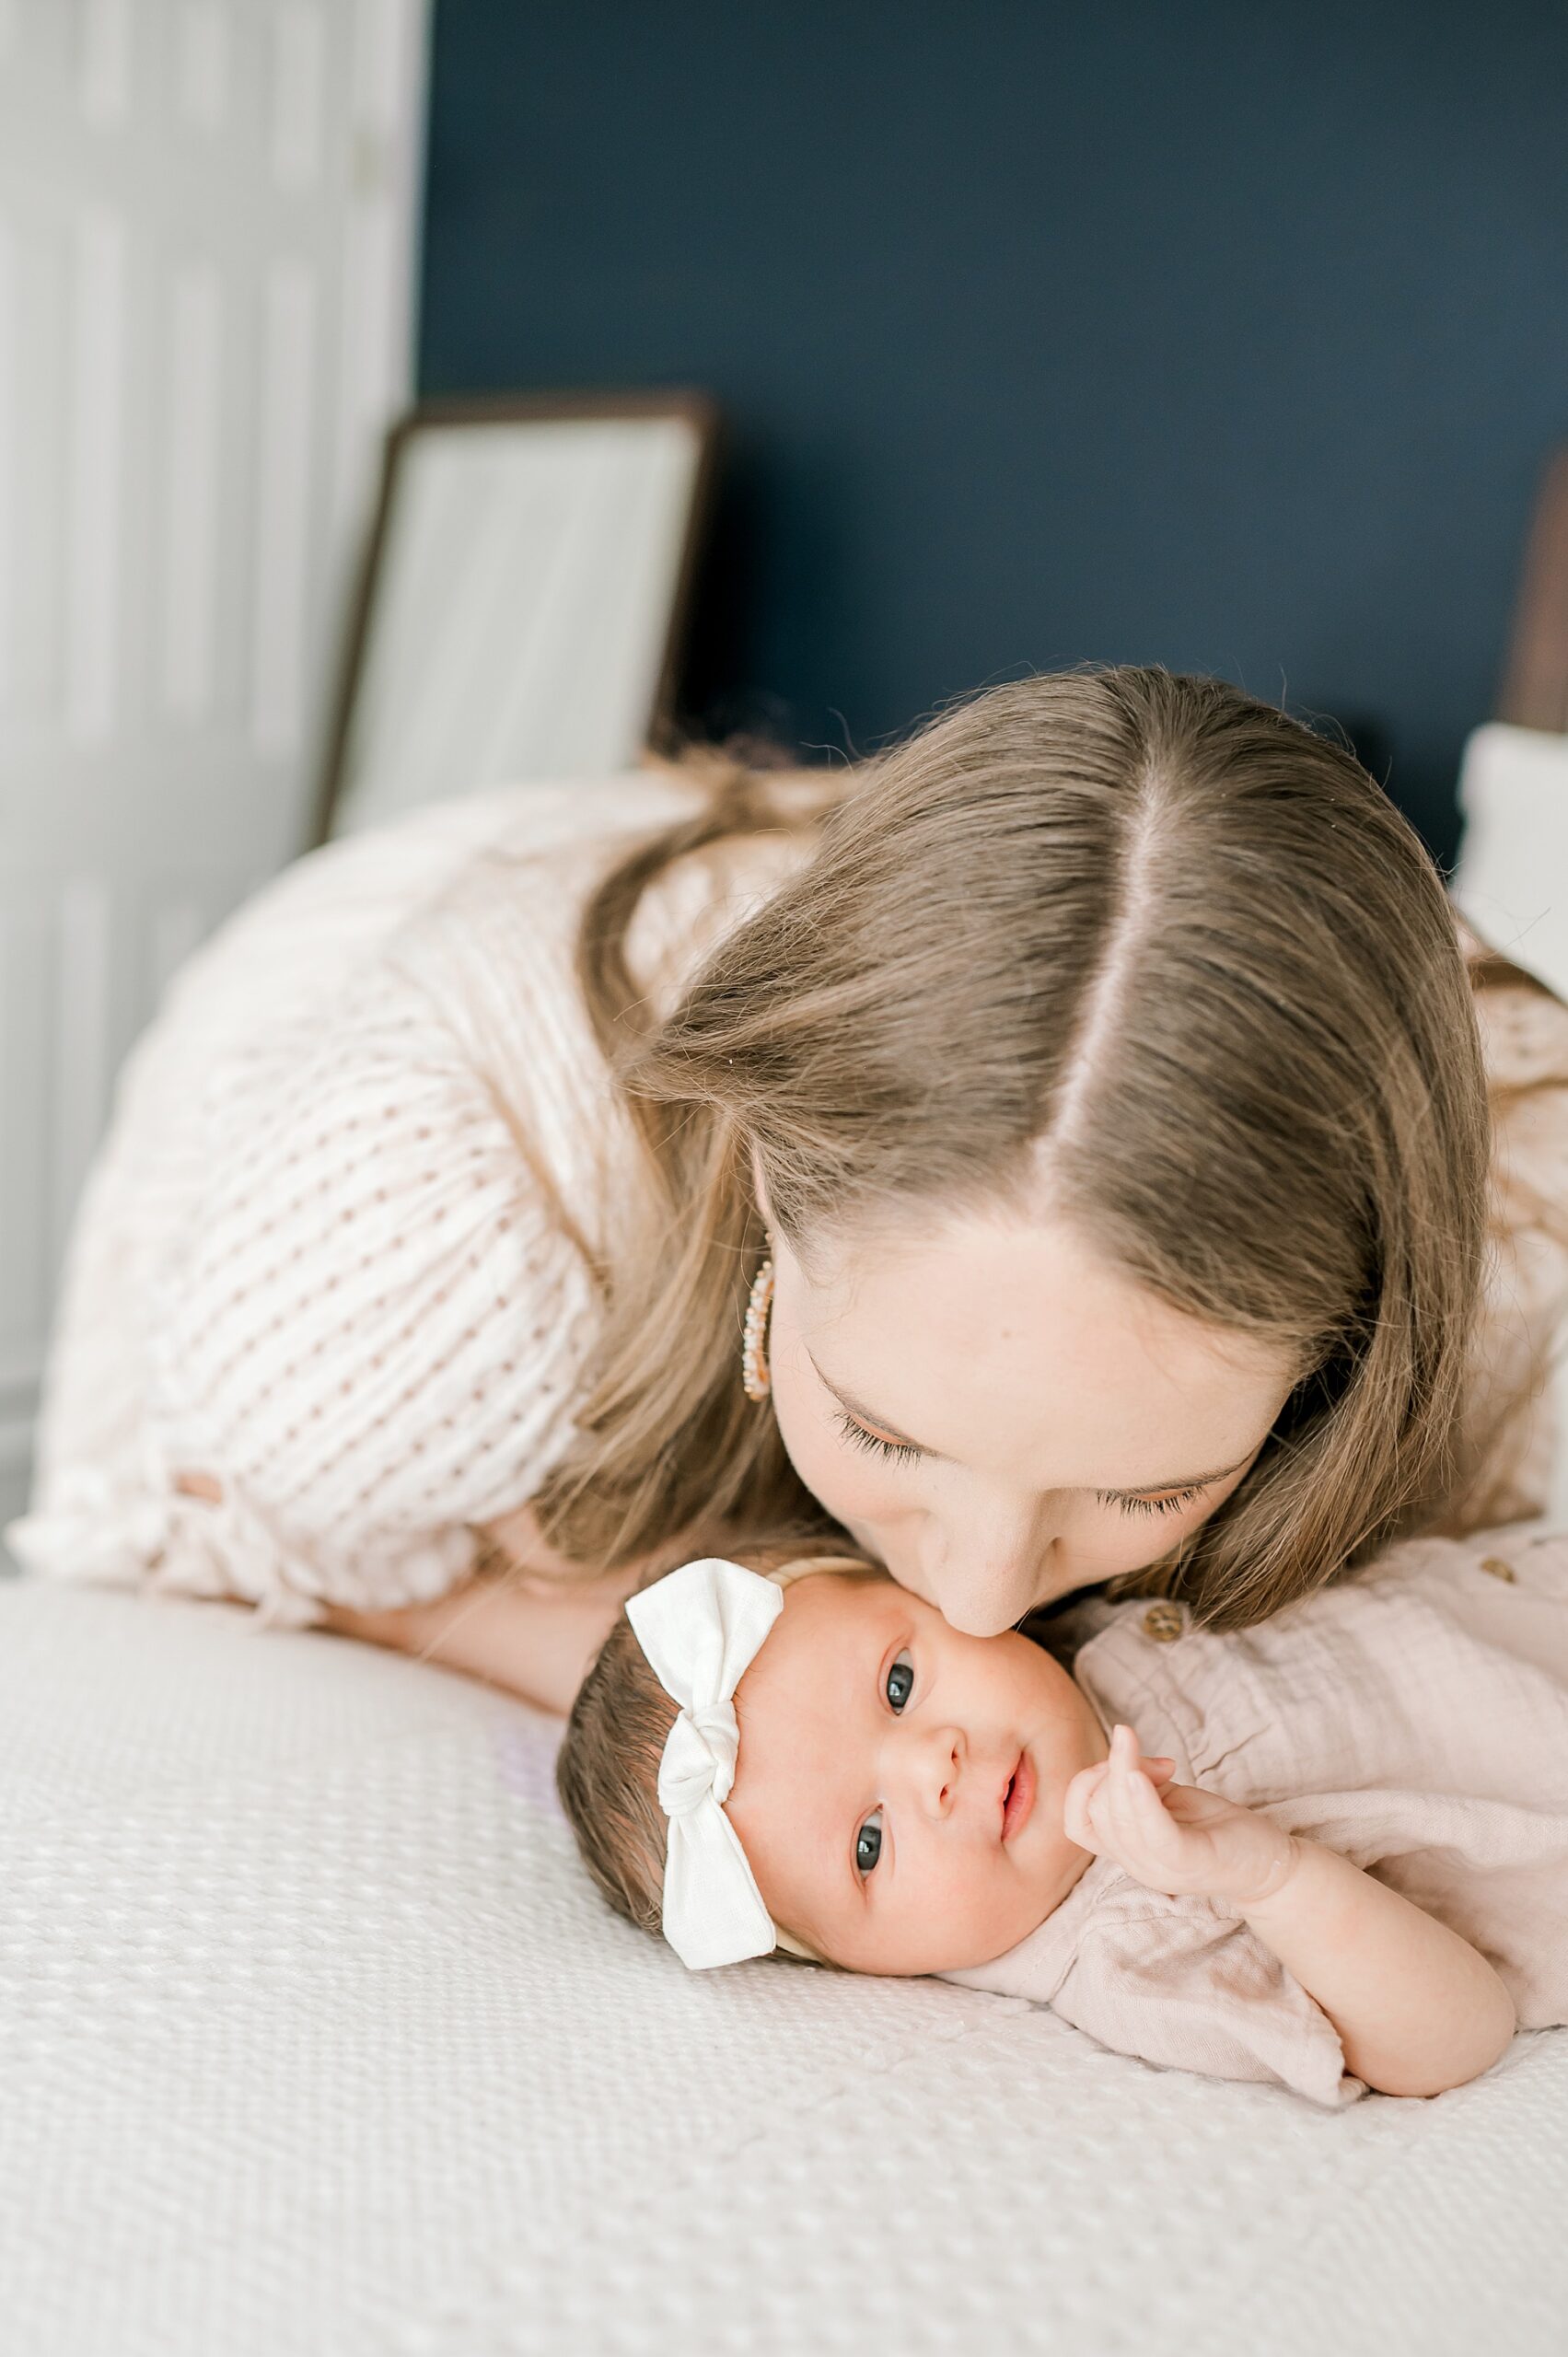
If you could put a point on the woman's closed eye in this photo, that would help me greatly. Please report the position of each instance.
(1160, 1502)
(893, 1452)
(904, 1452)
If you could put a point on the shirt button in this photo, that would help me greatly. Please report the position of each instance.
(1164, 1622)
(1498, 1568)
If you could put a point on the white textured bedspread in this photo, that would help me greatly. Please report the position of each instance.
(312, 2038)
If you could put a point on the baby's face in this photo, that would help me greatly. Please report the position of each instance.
(900, 1785)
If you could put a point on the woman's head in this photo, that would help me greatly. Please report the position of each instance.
(897, 1788)
(1110, 1087)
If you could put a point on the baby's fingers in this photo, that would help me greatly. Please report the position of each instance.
(1157, 1766)
(1085, 1816)
(1077, 1804)
(1135, 1813)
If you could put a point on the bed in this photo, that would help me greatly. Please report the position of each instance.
(316, 2040)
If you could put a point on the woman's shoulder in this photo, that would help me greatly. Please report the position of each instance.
(442, 949)
(499, 942)
(300, 940)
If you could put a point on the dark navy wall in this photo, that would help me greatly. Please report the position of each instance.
(1202, 331)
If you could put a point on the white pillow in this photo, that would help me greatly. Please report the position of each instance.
(1512, 880)
(1512, 884)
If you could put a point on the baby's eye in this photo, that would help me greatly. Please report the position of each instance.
(901, 1681)
(869, 1842)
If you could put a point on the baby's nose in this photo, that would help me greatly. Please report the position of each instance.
(943, 1768)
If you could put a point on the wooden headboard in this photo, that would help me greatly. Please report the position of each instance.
(1535, 683)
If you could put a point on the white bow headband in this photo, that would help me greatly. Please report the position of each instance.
(702, 1628)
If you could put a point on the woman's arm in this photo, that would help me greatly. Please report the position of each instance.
(1416, 2008)
(531, 1641)
(532, 1631)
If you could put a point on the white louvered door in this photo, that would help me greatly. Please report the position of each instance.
(207, 218)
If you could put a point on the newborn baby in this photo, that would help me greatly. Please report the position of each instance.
(1334, 1853)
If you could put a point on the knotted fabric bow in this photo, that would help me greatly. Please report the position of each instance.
(702, 1628)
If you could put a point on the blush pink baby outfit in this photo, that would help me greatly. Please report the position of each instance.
(1415, 1719)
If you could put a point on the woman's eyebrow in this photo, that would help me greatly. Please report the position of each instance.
(857, 1408)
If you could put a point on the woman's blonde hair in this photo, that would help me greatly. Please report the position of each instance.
(607, 1769)
(1137, 929)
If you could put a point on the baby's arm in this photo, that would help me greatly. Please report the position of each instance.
(1416, 2008)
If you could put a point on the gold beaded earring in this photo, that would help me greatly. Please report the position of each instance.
(755, 1374)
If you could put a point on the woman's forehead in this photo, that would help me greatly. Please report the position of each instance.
(996, 1341)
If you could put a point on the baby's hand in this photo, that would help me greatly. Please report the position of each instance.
(1172, 1836)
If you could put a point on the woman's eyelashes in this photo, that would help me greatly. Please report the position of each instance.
(1167, 1502)
(904, 1452)
(893, 1452)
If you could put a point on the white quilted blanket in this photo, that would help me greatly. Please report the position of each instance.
(314, 2040)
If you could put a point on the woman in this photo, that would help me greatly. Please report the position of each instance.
(1089, 1114)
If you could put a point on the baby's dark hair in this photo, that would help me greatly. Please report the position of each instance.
(607, 1773)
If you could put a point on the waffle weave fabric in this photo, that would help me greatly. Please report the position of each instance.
(313, 2038)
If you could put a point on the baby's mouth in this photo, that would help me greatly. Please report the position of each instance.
(1018, 1798)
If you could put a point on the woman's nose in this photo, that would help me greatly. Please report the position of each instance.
(982, 1590)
